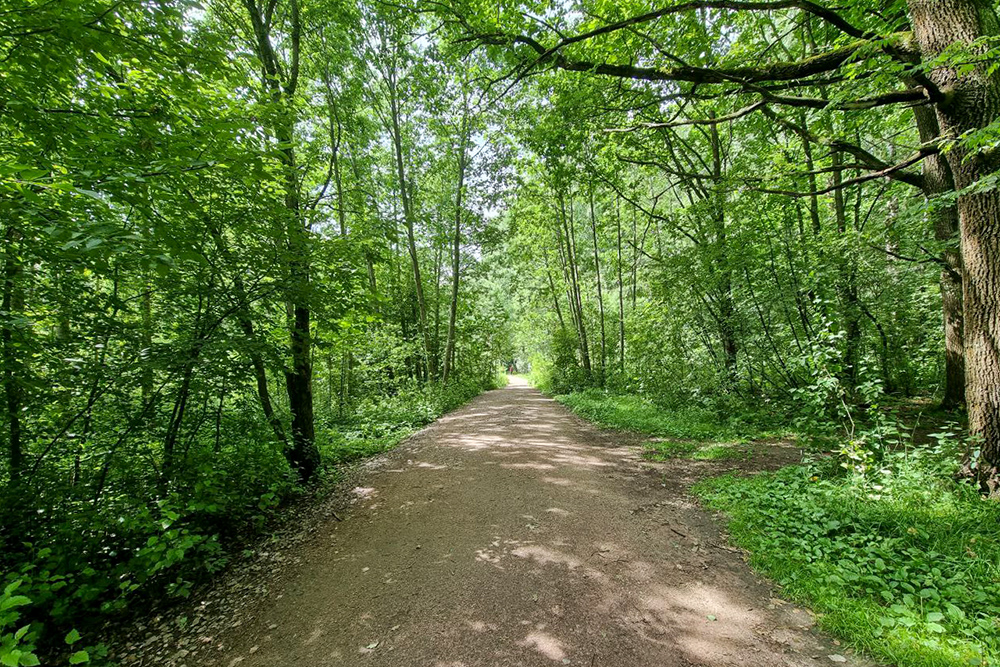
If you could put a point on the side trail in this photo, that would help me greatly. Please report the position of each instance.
(511, 532)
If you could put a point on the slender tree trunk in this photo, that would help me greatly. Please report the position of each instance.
(811, 178)
(635, 255)
(938, 181)
(146, 380)
(11, 307)
(438, 270)
(245, 320)
(621, 294)
(846, 281)
(552, 288)
(190, 361)
(456, 244)
(727, 310)
(569, 224)
(408, 218)
(600, 290)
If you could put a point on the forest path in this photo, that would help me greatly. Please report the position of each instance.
(511, 532)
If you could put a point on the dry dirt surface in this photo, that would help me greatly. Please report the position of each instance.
(511, 532)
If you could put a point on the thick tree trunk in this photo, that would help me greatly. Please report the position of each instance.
(938, 180)
(968, 103)
(303, 454)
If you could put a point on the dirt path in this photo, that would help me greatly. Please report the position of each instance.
(511, 532)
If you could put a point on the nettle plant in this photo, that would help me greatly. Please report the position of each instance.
(17, 644)
(869, 440)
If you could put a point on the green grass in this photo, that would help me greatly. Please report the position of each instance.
(905, 565)
(664, 450)
(635, 413)
(722, 453)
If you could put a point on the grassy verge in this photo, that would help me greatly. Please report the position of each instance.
(690, 432)
(905, 563)
(894, 555)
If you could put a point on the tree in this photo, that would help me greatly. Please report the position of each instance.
(946, 65)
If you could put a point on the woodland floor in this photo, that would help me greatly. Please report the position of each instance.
(509, 532)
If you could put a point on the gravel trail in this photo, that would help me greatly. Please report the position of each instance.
(511, 532)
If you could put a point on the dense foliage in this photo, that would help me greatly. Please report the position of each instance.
(211, 293)
(247, 240)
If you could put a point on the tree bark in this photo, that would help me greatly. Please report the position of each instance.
(938, 180)
(600, 290)
(552, 288)
(967, 103)
(408, 219)
(245, 320)
(621, 295)
(280, 85)
(568, 224)
(456, 244)
(727, 310)
(847, 288)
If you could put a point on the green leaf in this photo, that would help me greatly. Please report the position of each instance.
(73, 637)
(29, 660)
(79, 658)
(15, 601)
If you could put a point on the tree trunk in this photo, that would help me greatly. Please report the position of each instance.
(552, 288)
(938, 180)
(847, 288)
(146, 379)
(280, 85)
(600, 291)
(569, 225)
(11, 307)
(621, 295)
(727, 310)
(245, 320)
(968, 103)
(408, 219)
(456, 245)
